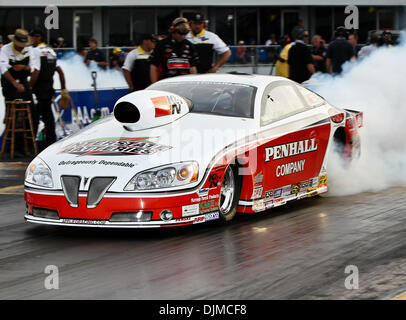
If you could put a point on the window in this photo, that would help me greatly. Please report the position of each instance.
(312, 99)
(323, 18)
(270, 23)
(247, 25)
(228, 99)
(280, 100)
(65, 28)
(165, 16)
(119, 27)
(143, 23)
(225, 24)
(10, 20)
(34, 19)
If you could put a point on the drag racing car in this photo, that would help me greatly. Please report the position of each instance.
(189, 150)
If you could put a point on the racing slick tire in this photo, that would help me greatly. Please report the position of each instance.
(229, 194)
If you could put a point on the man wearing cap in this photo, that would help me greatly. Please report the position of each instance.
(17, 63)
(43, 83)
(206, 43)
(339, 51)
(136, 68)
(174, 55)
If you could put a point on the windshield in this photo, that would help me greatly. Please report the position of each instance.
(228, 99)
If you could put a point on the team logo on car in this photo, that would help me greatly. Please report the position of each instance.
(115, 147)
(166, 106)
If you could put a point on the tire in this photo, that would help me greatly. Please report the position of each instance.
(229, 194)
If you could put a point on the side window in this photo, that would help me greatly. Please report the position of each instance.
(280, 101)
(313, 100)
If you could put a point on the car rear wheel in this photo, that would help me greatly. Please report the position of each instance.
(229, 194)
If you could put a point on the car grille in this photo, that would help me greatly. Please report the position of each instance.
(70, 186)
(97, 189)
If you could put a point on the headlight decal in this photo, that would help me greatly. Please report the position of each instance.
(39, 173)
(167, 176)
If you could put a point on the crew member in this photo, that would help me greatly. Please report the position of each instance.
(339, 51)
(136, 68)
(174, 55)
(43, 84)
(300, 60)
(206, 43)
(17, 63)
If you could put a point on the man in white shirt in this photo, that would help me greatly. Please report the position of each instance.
(17, 63)
(43, 84)
(136, 68)
(206, 43)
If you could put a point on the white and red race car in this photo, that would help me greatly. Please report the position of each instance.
(189, 150)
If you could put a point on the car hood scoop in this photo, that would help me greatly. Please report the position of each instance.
(147, 109)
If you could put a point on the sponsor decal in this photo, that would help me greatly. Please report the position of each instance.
(301, 195)
(190, 210)
(268, 194)
(322, 180)
(83, 221)
(198, 219)
(210, 197)
(304, 185)
(178, 63)
(211, 216)
(258, 205)
(312, 192)
(290, 149)
(203, 192)
(295, 188)
(94, 162)
(258, 178)
(269, 204)
(115, 147)
(183, 219)
(257, 193)
(208, 206)
(290, 168)
(214, 180)
(277, 193)
(313, 182)
(279, 202)
(286, 191)
(166, 105)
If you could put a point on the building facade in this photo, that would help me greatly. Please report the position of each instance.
(122, 23)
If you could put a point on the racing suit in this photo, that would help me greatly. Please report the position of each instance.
(174, 58)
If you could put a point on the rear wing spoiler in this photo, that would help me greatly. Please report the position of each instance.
(357, 116)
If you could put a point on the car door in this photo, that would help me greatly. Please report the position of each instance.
(293, 138)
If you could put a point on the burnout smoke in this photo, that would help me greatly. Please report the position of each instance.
(376, 86)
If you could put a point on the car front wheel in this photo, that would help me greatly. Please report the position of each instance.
(229, 194)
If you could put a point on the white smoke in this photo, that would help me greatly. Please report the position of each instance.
(79, 76)
(375, 86)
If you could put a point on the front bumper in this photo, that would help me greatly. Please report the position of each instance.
(187, 209)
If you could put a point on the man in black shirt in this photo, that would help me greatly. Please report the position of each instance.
(319, 53)
(174, 55)
(300, 59)
(95, 54)
(339, 51)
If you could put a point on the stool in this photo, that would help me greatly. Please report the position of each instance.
(13, 108)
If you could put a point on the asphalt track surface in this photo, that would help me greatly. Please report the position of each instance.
(298, 251)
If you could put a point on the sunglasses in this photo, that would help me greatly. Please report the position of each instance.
(305, 35)
(182, 33)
